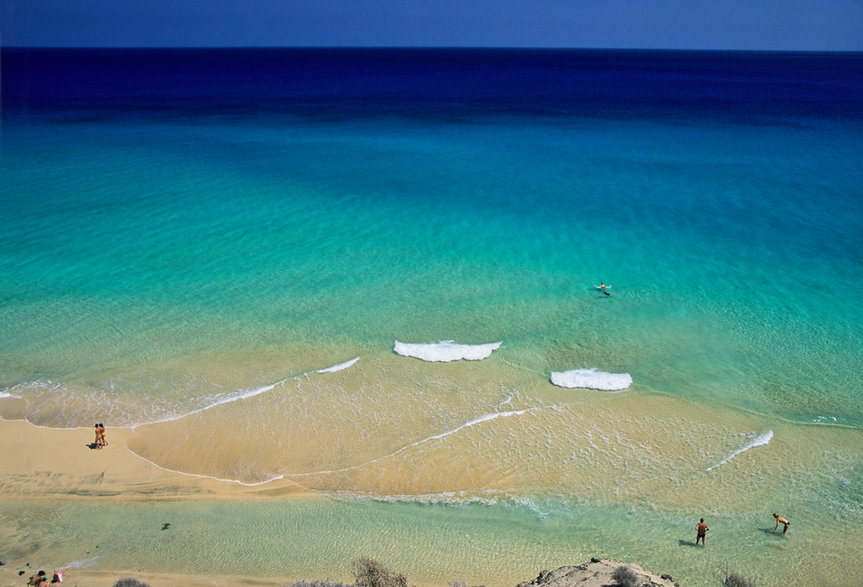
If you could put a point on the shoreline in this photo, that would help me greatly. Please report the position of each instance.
(59, 464)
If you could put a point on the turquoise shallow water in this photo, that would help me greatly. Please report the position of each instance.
(431, 544)
(731, 250)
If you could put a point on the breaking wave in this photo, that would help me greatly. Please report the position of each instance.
(339, 367)
(591, 379)
(445, 351)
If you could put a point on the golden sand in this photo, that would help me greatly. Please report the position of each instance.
(429, 429)
(42, 463)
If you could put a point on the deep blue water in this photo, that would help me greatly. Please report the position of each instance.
(752, 88)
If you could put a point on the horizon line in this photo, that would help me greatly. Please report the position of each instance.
(427, 47)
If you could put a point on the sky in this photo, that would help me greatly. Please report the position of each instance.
(787, 25)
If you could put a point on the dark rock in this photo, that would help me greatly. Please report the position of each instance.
(595, 560)
(667, 577)
(542, 578)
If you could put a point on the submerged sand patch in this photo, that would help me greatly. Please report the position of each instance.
(389, 427)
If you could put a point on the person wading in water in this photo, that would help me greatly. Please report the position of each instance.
(701, 532)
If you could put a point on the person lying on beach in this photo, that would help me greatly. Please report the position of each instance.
(781, 520)
(58, 575)
(38, 579)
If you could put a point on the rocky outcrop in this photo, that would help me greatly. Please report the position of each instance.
(601, 573)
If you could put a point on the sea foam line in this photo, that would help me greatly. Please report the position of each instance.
(445, 351)
(760, 441)
(474, 422)
(233, 396)
(338, 367)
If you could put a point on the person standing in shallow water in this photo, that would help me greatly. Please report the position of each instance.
(701, 532)
(780, 520)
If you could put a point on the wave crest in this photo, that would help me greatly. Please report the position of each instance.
(591, 379)
(339, 367)
(445, 351)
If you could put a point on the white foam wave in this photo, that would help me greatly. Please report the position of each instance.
(445, 351)
(338, 367)
(759, 441)
(591, 379)
(4, 394)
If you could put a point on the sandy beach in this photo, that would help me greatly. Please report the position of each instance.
(47, 463)
(41, 463)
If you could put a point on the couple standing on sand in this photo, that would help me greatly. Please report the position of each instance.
(101, 436)
(701, 528)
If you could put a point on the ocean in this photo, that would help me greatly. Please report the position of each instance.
(373, 272)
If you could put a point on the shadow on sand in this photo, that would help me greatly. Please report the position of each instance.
(687, 543)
